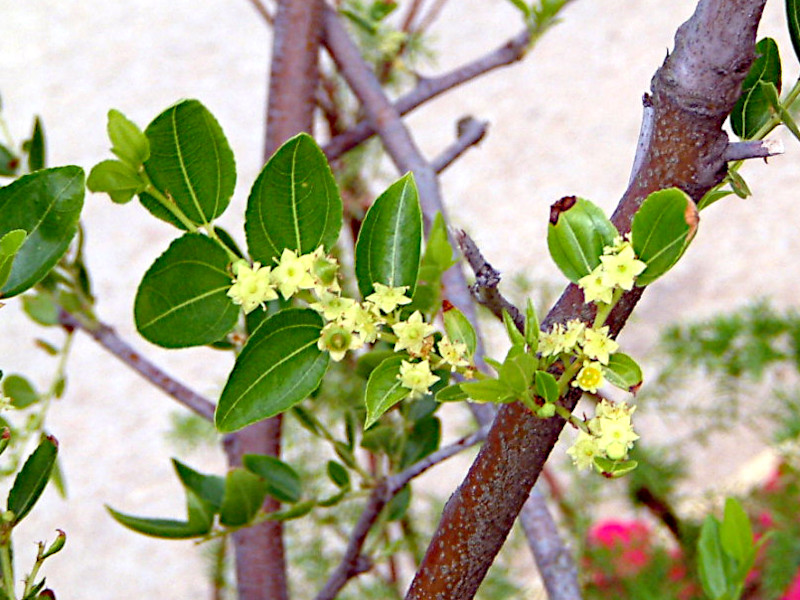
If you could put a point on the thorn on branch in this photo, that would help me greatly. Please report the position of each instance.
(753, 149)
(487, 278)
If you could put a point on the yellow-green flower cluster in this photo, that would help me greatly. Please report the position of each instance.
(618, 269)
(610, 435)
(255, 285)
(576, 338)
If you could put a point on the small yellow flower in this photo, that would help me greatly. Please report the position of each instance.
(388, 298)
(417, 377)
(453, 353)
(324, 270)
(550, 341)
(598, 346)
(337, 340)
(411, 334)
(292, 274)
(573, 335)
(584, 450)
(252, 286)
(622, 268)
(363, 321)
(590, 377)
(614, 429)
(332, 306)
(595, 287)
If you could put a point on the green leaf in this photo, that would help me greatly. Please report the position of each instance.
(661, 231)
(41, 308)
(753, 109)
(10, 244)
(711, 197)
(576, 236)
(294, 203)
(793, 20)
(279, 366)
(738, 184)
(531, 327)
(190, 161)
(128, 142)
(438, 251)
(488, 390)
(397, 507)
(546, 386)
(282, 481)
(736, 535)
(244, 495)
(117, 179)
(711, 560)
(32, 478)
(20, 390)
(46, 204)
(522, 7)
(182, 300)
(200, 517)
(423, 439)
(35, 147)
(384, 389)
(295, 511)
(451, 393)
(623, 372)
(614, 468)
(517, 371)
(9, 162)
(389, 244)
(459, 329)
(209, 488)
(338, 475)
(516, 337)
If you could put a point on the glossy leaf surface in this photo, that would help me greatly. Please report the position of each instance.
(389, 244)
(32, 478)
(278, 367)
(623, 372)
(200, 517)
(459, 329)
(182, 300)
(190, 161)
(793, 19)
(282, 481)
(244, 495)
(576, 236)
(294, 203)
(754, 107)
(117, 179)
(661, 230)
(46, 204)
(384, 389)
(10, 244)
(209, 488)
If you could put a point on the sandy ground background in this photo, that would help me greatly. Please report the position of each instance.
(563, 122)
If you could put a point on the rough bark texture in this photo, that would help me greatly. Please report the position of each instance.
(260, 559)
(693, 92)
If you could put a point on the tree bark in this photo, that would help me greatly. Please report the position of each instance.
(259, 550)
(692, 94)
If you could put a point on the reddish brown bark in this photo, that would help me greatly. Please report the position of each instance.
(693, 92)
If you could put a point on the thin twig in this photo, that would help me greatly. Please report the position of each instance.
(487, 278)
(470, 133)
(411, 14)
(109, 339)
(753, 149)
(508, 53)
(353, 563)
(431, 16)
(263, 11)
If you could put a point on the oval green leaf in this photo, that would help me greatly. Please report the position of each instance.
(32, 478)
(294, 203)
(117, 179)
(793, 19)
(451, 393)
(338, 475)
(459, 329)
(282, 481)
(20, 390)
(623, 372)
(128, 142)
(488, 390)
(384, 389)
(46, 204)
(209, 488)
(754, 107)
(35, 147)
(546, 386)
(199, 521)
(278, 367)
(661, 231)
(244, 495)
(576, 236)
(190, 161)
(10, 244)
(182, 300)
(389, 244)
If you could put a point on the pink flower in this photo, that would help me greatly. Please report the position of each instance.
(612, 533)
(793, 591)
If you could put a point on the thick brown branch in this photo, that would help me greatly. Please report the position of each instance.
(693, 92)
(427, 88)
(108, 338)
